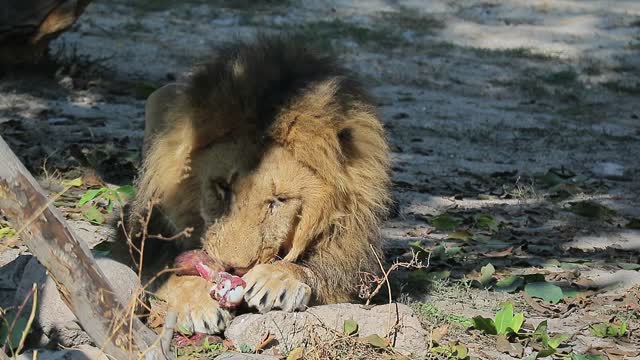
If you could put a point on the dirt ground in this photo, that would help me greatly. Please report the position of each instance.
(514, 127)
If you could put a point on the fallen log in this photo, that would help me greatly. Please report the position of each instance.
(81, 283)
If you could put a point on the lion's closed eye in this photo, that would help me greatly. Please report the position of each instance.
(276, 202)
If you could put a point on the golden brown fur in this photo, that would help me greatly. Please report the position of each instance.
(276, 157)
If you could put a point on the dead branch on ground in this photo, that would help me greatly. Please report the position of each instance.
(82, 285)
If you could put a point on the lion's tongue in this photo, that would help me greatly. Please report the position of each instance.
(205, 271)
(197, 262)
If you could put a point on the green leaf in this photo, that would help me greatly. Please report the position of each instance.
(182, 329)
(628, 266)
(608, 329)
(531, 278)
(545, 291)
(463, 235)
(555, 341)
(550, 344)
(453, 250)
(7, 232)
(550, 179)
(460, 351)
(245, 348)
(90, 195)
(486, 221)
(437, 275)
(504, 318)
(439, 253)
(506, 322)
(486, 274)
(126, 192)
(102, 249)
(12, 339)
(569, 292)
(510, 283)
(93, 215)
(541, 331)
(445, 222)
(110, 207)
(417, 248)
(633, 224)
(484, 324)
(591, 209)
(350, 327)
(70, 183)
(516, 323)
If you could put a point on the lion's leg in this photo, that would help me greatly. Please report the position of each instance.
(291, 287)
(280, 285)
(189, 297)
(330, 275)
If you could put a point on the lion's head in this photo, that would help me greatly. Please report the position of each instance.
(322, 177)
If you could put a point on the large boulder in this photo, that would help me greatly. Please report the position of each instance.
(293, 330)
(54, 323)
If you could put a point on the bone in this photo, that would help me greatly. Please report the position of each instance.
(228, 289)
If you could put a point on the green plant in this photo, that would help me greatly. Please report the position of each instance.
(608, 329)
(245, 348)
(505, 322)
(547, 344)
(7, 232)
(88, 201)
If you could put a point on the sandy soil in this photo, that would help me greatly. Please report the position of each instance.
(514, 109)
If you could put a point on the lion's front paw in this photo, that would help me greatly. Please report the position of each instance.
(197, 311)
(270, 286)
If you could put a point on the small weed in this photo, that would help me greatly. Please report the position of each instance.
(522, 190)
(505, 322)
(608, 329)
(105, 196)
(204, 351)
(437, 317)
(6, 231)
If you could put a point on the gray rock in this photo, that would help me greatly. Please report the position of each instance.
(82, 352)
(240, 356)
(92, 234)
(294, 329)
(54, 323)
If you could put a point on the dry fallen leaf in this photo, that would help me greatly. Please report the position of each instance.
(266, 340)
(296, 354)
(438, 333)
(375, 340)
(502, 253)
(514, 349)
(228, 344)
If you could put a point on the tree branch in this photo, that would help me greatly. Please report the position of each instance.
(81, 284)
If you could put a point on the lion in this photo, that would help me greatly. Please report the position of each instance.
(275, 157)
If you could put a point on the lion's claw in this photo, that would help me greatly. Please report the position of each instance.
(268, 287)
